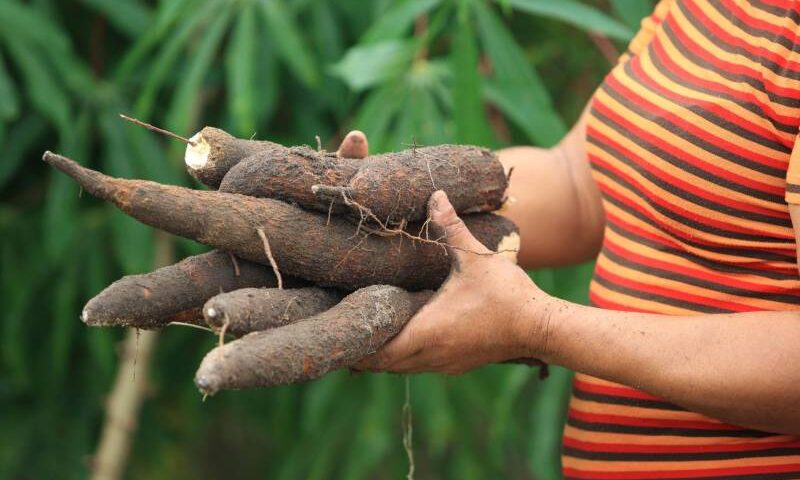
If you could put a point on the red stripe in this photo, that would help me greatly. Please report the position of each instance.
(723, 66)
(759, 24)
(616, 279)
(717, 109)
(649, 166)
(782, 61)
(637, 448)
(777, 190)
(601, 302)
(789, 269)
(727, 280)
(620, 391)
(653, 198)
(696, 473)
(695, 81)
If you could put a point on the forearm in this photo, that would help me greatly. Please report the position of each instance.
(741, 368)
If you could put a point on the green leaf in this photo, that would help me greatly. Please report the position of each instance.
(289, 43)
(168, 13)
(241, 59)
(632, 11)
(9, 103)
(25, 23)
(168, 54)
(185, 105)
(131, 17)
(577, 14)
(25, 133)
(515, 87)
(395, 21)
(41, 87)
(132, 241)
(468, 109)
(377, 112)
(366, 66)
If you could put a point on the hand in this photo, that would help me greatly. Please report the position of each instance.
(487, 311)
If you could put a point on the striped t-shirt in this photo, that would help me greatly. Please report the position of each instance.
(693, 141)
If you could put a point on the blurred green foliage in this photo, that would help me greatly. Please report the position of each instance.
(424, 71)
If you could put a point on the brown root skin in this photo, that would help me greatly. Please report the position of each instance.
(213, 152)
(308, 245)
(356, 327)
(173, 293)
(395, 187)
(288, 175)
(254, 309)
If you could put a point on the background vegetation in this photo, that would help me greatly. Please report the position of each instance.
(430, 71)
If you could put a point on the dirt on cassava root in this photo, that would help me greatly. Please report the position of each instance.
(173, 293)
(395, 187)
(254, 309)
(337, 338)
(329, 251)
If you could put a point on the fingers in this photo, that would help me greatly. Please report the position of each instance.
(463, 244)
(354, 145)
(387, 358)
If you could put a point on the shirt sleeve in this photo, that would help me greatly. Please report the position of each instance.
(647, 30)
(793, 174)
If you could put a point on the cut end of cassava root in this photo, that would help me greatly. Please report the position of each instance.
(197, 152)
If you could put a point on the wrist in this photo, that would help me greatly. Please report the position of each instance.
(537, 324)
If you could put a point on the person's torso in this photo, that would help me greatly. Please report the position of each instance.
(689, 140)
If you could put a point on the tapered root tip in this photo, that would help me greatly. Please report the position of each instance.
(213, 316)
(205, 385)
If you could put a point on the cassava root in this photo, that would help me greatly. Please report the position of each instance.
(212, 152)
(395, 187)
(254, 309)
(173, 293)
(356, 327)
(308, 245)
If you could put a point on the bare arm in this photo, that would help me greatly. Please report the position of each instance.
(554, 201)
(741, 368)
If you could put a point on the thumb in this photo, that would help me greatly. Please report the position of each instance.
(354, 145)
(459, 239)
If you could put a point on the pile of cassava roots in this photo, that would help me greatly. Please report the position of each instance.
(318, 259)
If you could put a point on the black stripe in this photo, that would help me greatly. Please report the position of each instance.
(751, 30)
(679, 277)
(735, 77)
(689, 196)
(792, 188)
(686, 221)
(654, 297)
(677, 162)
(627, 401)
(749, 106)
(661, 431)
(676, 457)
(777, 11)
(723, 268)
(761, 255)
(657, 118)
(771, 143)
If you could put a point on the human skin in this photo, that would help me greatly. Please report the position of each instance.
(740, 368)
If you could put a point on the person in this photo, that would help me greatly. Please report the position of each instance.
(682, 178)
